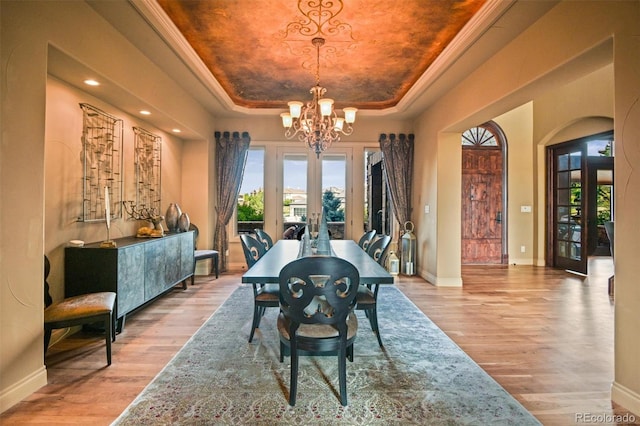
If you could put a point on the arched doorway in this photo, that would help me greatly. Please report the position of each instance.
(484, 195)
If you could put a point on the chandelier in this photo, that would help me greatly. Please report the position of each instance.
(317, 123)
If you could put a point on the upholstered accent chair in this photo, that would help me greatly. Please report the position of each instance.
(84, 309)
(317, 298)
(203, 254)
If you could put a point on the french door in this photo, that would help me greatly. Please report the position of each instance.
(568, 182)
(307, 183)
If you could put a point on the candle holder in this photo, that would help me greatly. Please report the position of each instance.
(107, 220)
(108, 243)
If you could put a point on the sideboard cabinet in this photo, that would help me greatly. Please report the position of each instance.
(137, 270)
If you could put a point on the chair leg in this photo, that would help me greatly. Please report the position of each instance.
(293, 387)
(107, 331)
(373, 319)
(281, 352)
(342, 373)
(256, 321)
(216, 266)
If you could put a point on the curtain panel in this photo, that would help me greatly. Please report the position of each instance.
(398, 165)
(231, 156)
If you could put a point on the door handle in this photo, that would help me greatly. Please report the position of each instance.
(499, 217)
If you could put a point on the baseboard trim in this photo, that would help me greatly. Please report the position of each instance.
(441, 282)
(25, 387)
(625, 397)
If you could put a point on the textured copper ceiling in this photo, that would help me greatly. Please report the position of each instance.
(260, 51)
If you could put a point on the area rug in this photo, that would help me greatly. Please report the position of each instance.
(421, 377)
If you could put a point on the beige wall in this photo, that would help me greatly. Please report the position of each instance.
(63, 175)
(517, 126)
(27, 31)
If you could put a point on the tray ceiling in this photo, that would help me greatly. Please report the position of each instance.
(260, 51)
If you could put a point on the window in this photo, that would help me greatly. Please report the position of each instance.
(480, 136)
(250, 209)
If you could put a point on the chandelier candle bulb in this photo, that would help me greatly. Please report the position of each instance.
(287, 121)
(350, 114)
(295, 109)
(326, 106)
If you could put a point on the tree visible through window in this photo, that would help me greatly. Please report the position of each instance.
(250, 209)
(332, 206)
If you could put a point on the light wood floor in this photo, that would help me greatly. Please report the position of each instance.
(545, 335)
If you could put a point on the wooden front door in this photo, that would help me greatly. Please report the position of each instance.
(482, 221)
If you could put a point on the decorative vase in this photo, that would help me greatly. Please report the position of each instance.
(183, 222)
(172, 216)
(323, 245)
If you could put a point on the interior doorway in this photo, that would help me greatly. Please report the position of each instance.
(581, 194)
(483, 196)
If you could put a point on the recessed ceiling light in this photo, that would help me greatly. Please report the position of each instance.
(176, 130)
(145, 112)
(91, 82)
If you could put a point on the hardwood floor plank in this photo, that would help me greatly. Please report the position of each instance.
(545, 335)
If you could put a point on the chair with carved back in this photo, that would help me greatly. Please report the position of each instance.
(84, 309)
(264, 238)
(368, 294)
(366, 239)
(265, 295)
(317, 298)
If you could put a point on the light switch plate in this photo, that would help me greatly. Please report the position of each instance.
(525, 209)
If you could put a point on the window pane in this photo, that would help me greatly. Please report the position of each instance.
(563, 162)
(294, 194)
(250, 212)
(334, 167)
(576, 158)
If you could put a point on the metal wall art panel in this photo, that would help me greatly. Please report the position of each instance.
(102, 164)
(148, 159)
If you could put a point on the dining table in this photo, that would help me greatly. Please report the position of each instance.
(267, 268)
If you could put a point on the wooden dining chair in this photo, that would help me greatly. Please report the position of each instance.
(368, 294)
(264, 238)
(84, 309)
(317, 298)
(366, 239)
(265, 295)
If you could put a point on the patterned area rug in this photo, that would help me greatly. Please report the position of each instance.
(420, 377)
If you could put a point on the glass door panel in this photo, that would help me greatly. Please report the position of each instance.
(334, 189)
(294, 189)
(570, 252)
(308, 183)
